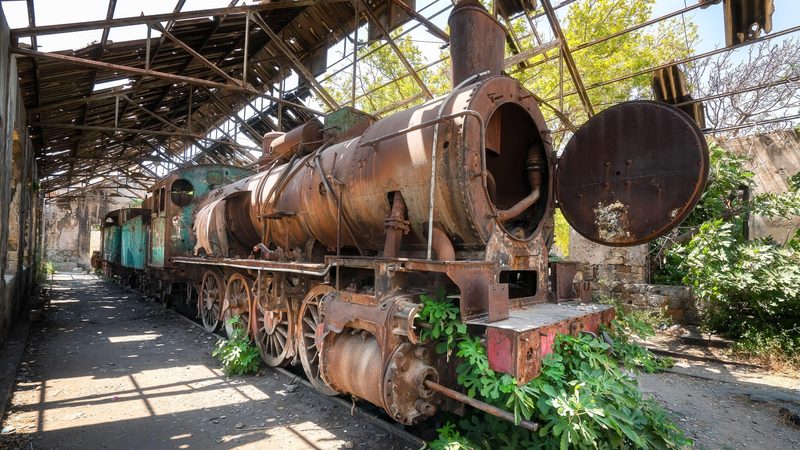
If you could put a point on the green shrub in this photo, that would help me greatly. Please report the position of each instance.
(581, 399)
(237, 354)
(749, 288)
(752, 289)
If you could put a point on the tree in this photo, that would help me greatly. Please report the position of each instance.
(734, 77)
(587, 21)
(385, 80)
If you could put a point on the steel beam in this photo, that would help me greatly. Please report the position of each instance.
(70, 126)
(432, 28)
(396, 49)
(156, 74)
(196, 55)
(233, 114)
(717, 51)
(298, 66)
(571, 67)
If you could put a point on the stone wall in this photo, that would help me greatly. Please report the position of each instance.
(621, 273)
(677, 302)
(68, 227)
(608, 268)
(19, 197)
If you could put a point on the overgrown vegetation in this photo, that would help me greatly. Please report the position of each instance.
(237, 354)
(750, 289)
(581, 399)
(45, 271)
(561, 233)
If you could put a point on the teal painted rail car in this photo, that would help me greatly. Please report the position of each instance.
(134, 241)
(157, 243)
(112, 235)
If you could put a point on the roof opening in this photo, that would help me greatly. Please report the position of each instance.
(111, 84)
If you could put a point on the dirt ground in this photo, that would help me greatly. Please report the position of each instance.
(723, 415)
(108, 369)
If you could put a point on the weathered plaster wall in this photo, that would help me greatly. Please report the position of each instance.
(19, 198)
(774, 157)
(68, 227)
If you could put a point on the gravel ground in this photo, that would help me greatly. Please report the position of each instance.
(721, 409)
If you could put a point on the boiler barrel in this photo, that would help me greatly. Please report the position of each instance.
(298, 202)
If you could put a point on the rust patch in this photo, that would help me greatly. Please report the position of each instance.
(612, 222)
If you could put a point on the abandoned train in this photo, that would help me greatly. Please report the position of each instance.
(325, 250)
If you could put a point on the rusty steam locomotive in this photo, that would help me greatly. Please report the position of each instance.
(324, 251)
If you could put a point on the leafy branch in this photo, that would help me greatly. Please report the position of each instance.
(582, 398)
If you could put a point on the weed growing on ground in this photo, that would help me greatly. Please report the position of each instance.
(641, 324)
(237, 354)
(45, 272)
(581, 399)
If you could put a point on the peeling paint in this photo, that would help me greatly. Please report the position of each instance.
(612, 222)
(177, 228)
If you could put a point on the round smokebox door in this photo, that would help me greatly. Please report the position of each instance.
(632, 173)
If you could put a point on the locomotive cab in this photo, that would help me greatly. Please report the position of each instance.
(174, 202)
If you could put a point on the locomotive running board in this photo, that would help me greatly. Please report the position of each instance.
(317, 270)
(517, 345)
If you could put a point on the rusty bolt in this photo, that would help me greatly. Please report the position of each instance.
(424, 407)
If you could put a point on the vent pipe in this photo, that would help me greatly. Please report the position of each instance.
(477, 41)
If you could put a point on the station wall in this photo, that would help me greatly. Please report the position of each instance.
(20, 199)
(69, 223)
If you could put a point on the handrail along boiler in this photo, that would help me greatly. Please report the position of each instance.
(325, 251)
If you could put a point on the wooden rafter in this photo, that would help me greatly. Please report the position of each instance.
(145, 19)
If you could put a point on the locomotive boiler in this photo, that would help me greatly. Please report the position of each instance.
(325, 252)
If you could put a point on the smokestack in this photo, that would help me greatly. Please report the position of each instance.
(477, 41)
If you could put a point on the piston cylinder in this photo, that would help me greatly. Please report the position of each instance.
(352, 363)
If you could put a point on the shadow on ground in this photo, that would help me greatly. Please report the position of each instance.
(109, 369)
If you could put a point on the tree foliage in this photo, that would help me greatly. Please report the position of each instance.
(385, 80)
(581, 399)
(589, 20)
